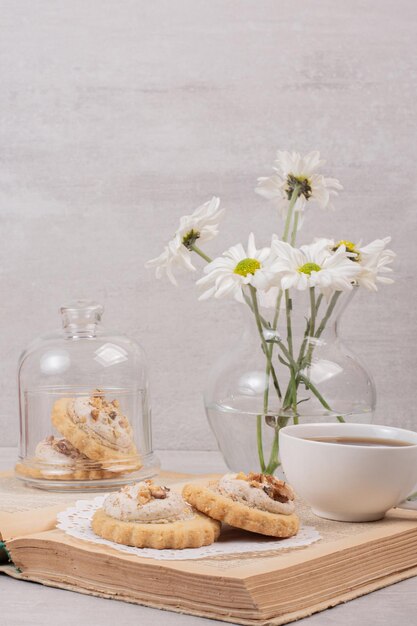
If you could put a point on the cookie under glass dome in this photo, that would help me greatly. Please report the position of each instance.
(85, 420)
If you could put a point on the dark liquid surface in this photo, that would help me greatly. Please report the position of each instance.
(362, 441)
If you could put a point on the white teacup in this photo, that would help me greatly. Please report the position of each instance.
(349, 483)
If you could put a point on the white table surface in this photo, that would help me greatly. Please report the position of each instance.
(24, 603)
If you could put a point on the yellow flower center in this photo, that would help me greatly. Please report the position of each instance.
(307, 268)
(247, 266)
(350, 247)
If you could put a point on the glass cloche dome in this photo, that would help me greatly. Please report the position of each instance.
(85, 420)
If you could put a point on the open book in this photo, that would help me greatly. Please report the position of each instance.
(252, 588)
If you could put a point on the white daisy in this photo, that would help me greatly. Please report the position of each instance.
(313, 266)
(235, 269)
(372, 260)
(200, 226)
(352, 249)
(293, 169)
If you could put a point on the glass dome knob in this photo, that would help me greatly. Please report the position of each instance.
(81, 315)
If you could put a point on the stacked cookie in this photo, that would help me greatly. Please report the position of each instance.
(149, 516)
(97, 442)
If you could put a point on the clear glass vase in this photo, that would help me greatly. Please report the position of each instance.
(311, 376)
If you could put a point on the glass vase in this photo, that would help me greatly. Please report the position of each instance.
(290, 370)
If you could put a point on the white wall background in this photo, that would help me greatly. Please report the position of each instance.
(118, 116)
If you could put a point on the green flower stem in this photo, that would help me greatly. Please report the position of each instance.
(292, 397)
(273, 460)
(316, 335)
(314, 307)
(277, 309)
(198, 251)
(318, 302)
(312, 311)
(259, 423)
(259, 443)
(288, 307)
(295, 404)
(318, 395)
(263, 323)
(271, 348)
(291, 394)
(319, 332)
(248, 301)
(288, 219)
(309, 332)
(314, 389)
(276, 386)
(292, 388)
(295, 227)
(328, 313)
(259, 326)
(303, 345)
(270, 369)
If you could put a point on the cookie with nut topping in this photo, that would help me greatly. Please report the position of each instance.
(259, 503)
(146, 515)
(98, 429)
(58, 459)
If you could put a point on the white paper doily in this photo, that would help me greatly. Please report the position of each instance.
(76, 522)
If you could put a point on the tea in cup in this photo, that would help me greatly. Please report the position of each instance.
(350, 472)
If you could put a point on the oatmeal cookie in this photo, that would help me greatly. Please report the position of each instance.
(258, 503)
(57, 459)
(145, 515)
(98, 429)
